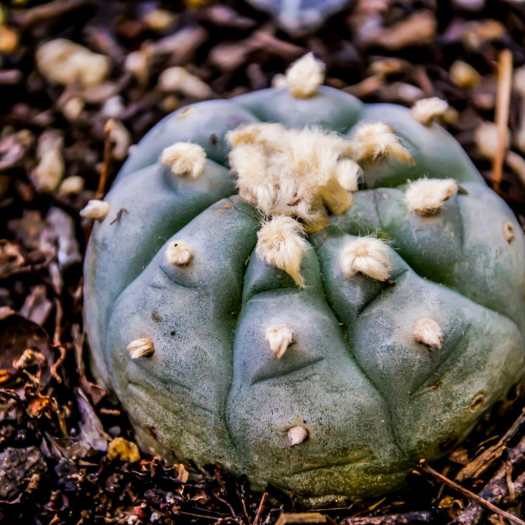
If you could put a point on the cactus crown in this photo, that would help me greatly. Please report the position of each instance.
(305, 174)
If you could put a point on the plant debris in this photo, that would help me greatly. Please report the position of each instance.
(67, 451)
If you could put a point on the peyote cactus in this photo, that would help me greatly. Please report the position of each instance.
(307, 289)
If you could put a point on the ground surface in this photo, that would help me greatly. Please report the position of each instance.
(55, 423)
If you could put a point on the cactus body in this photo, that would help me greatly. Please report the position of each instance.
(332, 384)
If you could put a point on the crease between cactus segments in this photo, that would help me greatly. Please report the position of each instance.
(350, 276)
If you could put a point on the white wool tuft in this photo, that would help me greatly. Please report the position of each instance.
(368, 256)
(375, 140)
(184, 158)
(348, 173)
(279, 337)
(280, 243)
(304, 76)
(292, 172)
(427, 196)
(179, 253)
(297, 435)
(249, 163)
(268, 134)
(428, 333)
(95, 209)
(427, 110)
(142, 347)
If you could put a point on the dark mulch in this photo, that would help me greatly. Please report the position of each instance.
(55, 423)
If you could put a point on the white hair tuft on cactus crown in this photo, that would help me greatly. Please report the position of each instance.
(294, 172)
(373, 141)
(280, 243)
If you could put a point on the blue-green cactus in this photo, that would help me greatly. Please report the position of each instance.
(401, 325)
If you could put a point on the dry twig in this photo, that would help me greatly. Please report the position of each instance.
(479, 464)
(426, 468)
(502, 114)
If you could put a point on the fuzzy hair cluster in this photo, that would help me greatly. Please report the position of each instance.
(184, 159)
(367, 256)
(281, 244)
(304, 77)
(299, 173)
(427, 196)
(179, 253)
(427, 110)
(372, 141)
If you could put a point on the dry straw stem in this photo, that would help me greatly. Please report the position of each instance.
(500, 487)
(106, 161)
(119, 137)
(502, 114)
(519, 86)
(425, 467)
(300, 518)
